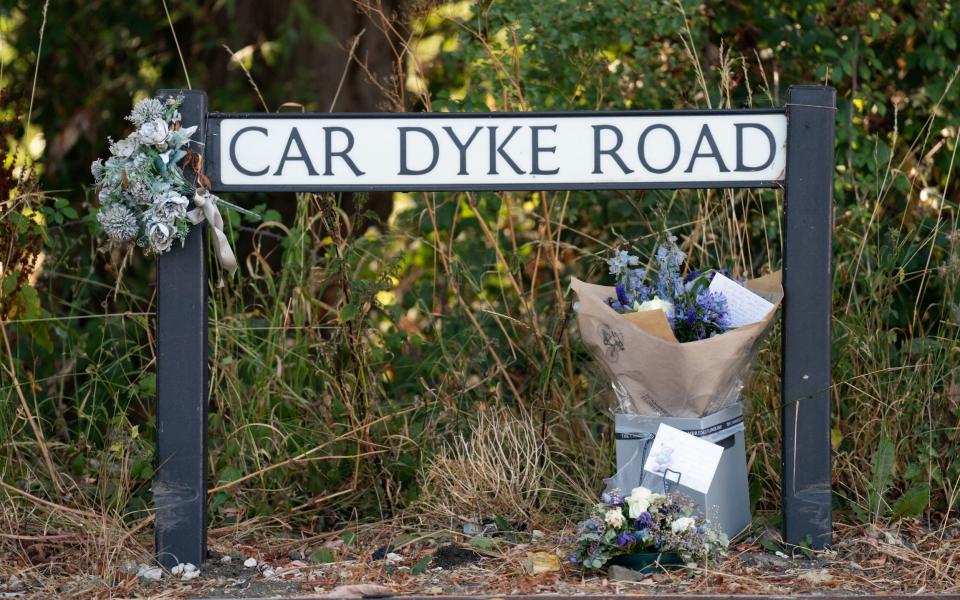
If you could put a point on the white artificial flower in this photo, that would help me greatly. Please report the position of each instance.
(119, 223)
(614, 517)
(154, 132)
(146, 110)
(682, 524)
(125, 147)
(171, 206)
(638, 501)
(96, 169)
(655, 304)
(160, 236)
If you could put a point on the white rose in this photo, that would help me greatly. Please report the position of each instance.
(171, 206)
(154, 132)
(682, 524)
(160, 236)
(638, 501)
(125, 147)
(614, 517)
(655, 304)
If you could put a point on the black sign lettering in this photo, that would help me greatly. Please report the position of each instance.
(714, 151)
(462, 146)
(328, 142)
(495, 150)
(233, 152)
(304, 157)
(642, 148)
(536, 149)
(741, 166)
(404, 169)
(612, 152)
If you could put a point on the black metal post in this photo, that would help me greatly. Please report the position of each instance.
(180, 482)
(807, 283)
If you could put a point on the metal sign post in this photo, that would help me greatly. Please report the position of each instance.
(789, 148)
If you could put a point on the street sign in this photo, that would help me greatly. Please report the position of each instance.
(531, 151)
(790, 148)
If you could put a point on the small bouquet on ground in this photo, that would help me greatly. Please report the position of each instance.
(675, 345)
(143, 193)
(646, 531)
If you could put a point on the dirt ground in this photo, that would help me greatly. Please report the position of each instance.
(903, 558)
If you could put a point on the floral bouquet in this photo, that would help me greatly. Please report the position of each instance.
(645, 530)
(143, 192)
(673, 343)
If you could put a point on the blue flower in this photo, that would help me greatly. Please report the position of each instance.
(644, 521)
(624, 539)
(622, 296)
(620, 261)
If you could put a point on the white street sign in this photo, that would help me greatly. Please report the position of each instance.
(517, 151)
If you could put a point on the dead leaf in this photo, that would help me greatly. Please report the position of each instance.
(542, 562)
(818, 577)
(359, 590)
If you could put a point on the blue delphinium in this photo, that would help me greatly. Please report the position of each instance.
(700, 314)
(694, 312)
(621, 262)
(670, 263)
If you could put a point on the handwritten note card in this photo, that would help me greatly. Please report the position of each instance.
(745, 306)
(695, 460)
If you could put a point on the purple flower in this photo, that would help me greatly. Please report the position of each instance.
(622, 294)
(612, 498)
(644, 521)
(624, 539)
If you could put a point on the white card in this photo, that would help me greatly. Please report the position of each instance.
(744, 306)
(695, 460)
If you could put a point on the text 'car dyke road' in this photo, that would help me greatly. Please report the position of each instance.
(539, 151)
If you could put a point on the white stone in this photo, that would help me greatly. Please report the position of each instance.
(250, 563)
(187, 575)
(150, 573)
(393, 557)
(268, 573)
(130, 567)
(177, 570)
(189, 568)
(226, 558)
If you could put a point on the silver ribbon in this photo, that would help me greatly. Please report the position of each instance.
(207, 211)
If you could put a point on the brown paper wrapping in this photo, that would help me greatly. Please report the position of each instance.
(652, 373)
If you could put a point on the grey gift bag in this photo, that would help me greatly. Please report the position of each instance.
(727, 503)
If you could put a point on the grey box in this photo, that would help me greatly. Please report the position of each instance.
(727, 503)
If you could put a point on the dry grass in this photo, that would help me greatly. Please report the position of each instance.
(67, 552)
(501, 469)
